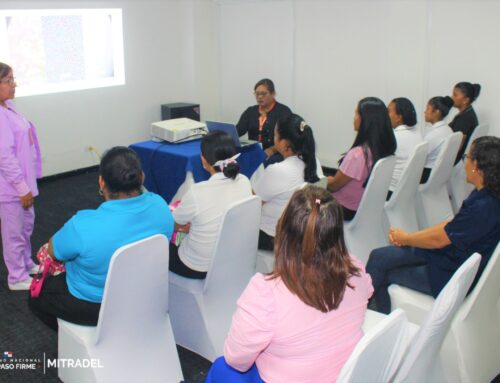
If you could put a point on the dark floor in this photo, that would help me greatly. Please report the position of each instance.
(23, 334)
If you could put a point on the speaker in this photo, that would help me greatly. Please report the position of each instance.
(179, 110)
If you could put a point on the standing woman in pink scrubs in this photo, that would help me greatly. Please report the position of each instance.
(20, 166)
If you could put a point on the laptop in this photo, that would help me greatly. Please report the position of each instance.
(230, 129)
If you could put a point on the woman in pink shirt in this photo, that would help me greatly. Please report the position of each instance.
(301, 322)
(20, 166)
(375, 140)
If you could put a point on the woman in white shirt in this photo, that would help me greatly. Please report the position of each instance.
(294, 140)
(200, 212)
(437, 109)
(403, 120)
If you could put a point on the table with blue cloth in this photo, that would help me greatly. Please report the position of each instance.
(167, 166)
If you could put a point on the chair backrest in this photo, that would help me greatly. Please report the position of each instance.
(134, 316)
(443, 166)
(401, 208)
(235, 251)
(458, 187)
(232, 265)
(487, 290)
(373, 200)
(365, 232)
(476, 330)
(480, 131)
(136, 288)
(371, 359)
(319, 169)
(423, 350)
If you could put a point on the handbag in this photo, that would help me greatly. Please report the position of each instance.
(55, 267)
(48, 265)
(37, 281)
(177, 236)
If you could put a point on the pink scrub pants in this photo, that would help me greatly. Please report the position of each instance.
(17, 225)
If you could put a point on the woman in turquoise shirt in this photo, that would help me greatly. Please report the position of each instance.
(88, 240)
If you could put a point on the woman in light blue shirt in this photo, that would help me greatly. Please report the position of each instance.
(88, 240)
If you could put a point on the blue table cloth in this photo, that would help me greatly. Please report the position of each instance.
(165, 165)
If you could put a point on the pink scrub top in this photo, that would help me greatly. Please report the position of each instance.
(290, 341)
(20, 158)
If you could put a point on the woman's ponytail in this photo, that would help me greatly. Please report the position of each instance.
(308, 154)
(300, 136)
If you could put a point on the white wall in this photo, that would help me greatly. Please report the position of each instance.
(256, 41)
(158, 52)
(464, 46)
(323, 56)
(326, 55)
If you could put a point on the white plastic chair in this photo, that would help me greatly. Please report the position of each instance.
(201, 310)
(458, 187)
(378, 353)
(319, 170)
(472, 347)
(421, 362)
(433, 202)
(133, 339)
(401, 208)
(366, 232)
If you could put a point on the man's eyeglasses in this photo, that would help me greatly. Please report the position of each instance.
(8, 80)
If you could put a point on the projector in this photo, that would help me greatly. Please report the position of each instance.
(178, 130)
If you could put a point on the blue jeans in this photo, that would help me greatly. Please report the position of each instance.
(221, 372)
(404, 266)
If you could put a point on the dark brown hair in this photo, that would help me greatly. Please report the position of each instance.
(4, 70)
(469, 90)
(311, 255)
(443, 104)
(267, 83)
(486, 151)
(121, 170)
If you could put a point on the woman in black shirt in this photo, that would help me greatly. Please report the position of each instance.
(464, 94)
(260, 120)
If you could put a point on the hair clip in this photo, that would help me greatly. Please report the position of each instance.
(223, 163)
(318, 201)
(302, 126)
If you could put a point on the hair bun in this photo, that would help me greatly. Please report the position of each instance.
(477, 90)
(448, 101)
(231, 170)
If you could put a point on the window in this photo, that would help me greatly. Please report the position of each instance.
(58, 50)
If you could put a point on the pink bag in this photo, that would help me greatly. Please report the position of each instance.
(55, 267)
(48, 265)
(177, 237)
(37, 281)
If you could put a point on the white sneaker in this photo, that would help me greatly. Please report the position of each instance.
(33, 270)
(23, 285)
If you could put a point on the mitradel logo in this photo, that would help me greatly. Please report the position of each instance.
(74, 363)
(9, 362)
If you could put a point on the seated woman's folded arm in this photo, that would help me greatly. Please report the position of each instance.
(434, 237)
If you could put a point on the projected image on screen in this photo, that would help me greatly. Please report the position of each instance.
(61, 50)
